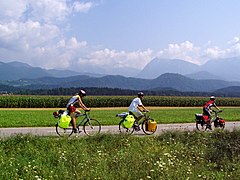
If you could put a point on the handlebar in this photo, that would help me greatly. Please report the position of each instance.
(216, 111)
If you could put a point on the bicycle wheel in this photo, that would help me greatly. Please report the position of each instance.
(123, 129)
(201, 126)
(91, 127)
(145, 129)
(219, 125)
(64, 132)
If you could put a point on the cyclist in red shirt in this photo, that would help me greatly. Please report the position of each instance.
(207, 110)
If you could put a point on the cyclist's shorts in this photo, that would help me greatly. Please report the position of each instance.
(71, 109)
(206, 112)
(137, 113)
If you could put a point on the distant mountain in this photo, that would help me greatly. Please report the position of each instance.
(160, 66)
(224, 69)
(232, 91)
(183, 83)
(16, 70)
(203, 75)
(68, 73)
(227, 68)
(166, 81)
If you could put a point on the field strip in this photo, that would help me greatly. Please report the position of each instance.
(113, 108)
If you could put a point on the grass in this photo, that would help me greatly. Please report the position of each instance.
(106, 116)
(171, 155)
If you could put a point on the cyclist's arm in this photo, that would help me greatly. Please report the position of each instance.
(82, 105)
(216, 107)
(142, 108)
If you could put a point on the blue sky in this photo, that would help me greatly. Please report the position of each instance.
(68, 34)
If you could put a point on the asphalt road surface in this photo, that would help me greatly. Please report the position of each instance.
(50, 131)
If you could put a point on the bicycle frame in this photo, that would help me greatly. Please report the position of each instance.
(89, 126)
(85, 118)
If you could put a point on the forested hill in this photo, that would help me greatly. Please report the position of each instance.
(167, 80)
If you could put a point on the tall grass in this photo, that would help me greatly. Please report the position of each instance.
(172, 155)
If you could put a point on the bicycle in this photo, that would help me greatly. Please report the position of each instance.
(202, 122)
(144, 123)
(90, 126)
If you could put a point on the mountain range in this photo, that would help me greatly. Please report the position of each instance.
(165, 81)
(223, 69)
(159, 74)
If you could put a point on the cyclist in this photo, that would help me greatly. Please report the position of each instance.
(207, 110)
(72, 109)
(136, 108)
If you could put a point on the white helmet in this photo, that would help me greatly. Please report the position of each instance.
(212, 98)
(82, 93)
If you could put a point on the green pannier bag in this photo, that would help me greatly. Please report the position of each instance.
(64, 121)
(128, 121)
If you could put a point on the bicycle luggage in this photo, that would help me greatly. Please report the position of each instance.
(151, 126)
(128, 121)
(64, 121)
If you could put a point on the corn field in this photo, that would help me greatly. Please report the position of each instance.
(109, 101)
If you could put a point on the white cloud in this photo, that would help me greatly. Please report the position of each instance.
(234, 40)
(12, 9)
(34, 31)
(200, 54)
(113, 58)
(82, 7)
(186, 51)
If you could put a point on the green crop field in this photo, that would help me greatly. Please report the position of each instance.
(107, 116)
(110, 101)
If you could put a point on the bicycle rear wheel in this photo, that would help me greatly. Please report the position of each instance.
(91, 127)
(123, 129)
(64, 132)
(145, 129)
(201, 126)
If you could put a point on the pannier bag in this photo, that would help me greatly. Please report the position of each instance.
(64, 121)
(128, 121)
(151, 125)
(199, 116)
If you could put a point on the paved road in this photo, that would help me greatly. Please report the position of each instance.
(50, 131)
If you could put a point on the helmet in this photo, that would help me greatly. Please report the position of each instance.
(140, 94)
(82, 93)
(212, 98)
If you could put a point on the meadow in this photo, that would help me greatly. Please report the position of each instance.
(171, 155)
(30, 117)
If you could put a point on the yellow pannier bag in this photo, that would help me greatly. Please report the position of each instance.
(64, 121)
(128, 121)
(151, 126)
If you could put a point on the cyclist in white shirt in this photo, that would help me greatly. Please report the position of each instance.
(136, 108)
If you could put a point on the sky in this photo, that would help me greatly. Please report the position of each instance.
(69, 34)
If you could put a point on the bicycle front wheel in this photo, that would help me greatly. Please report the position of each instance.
(91, 127)
(125, 130)
(64, 132)
(145, 127)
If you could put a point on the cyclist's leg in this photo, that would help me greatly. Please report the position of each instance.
(72, 111)
(138, 116)
(208, 113)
